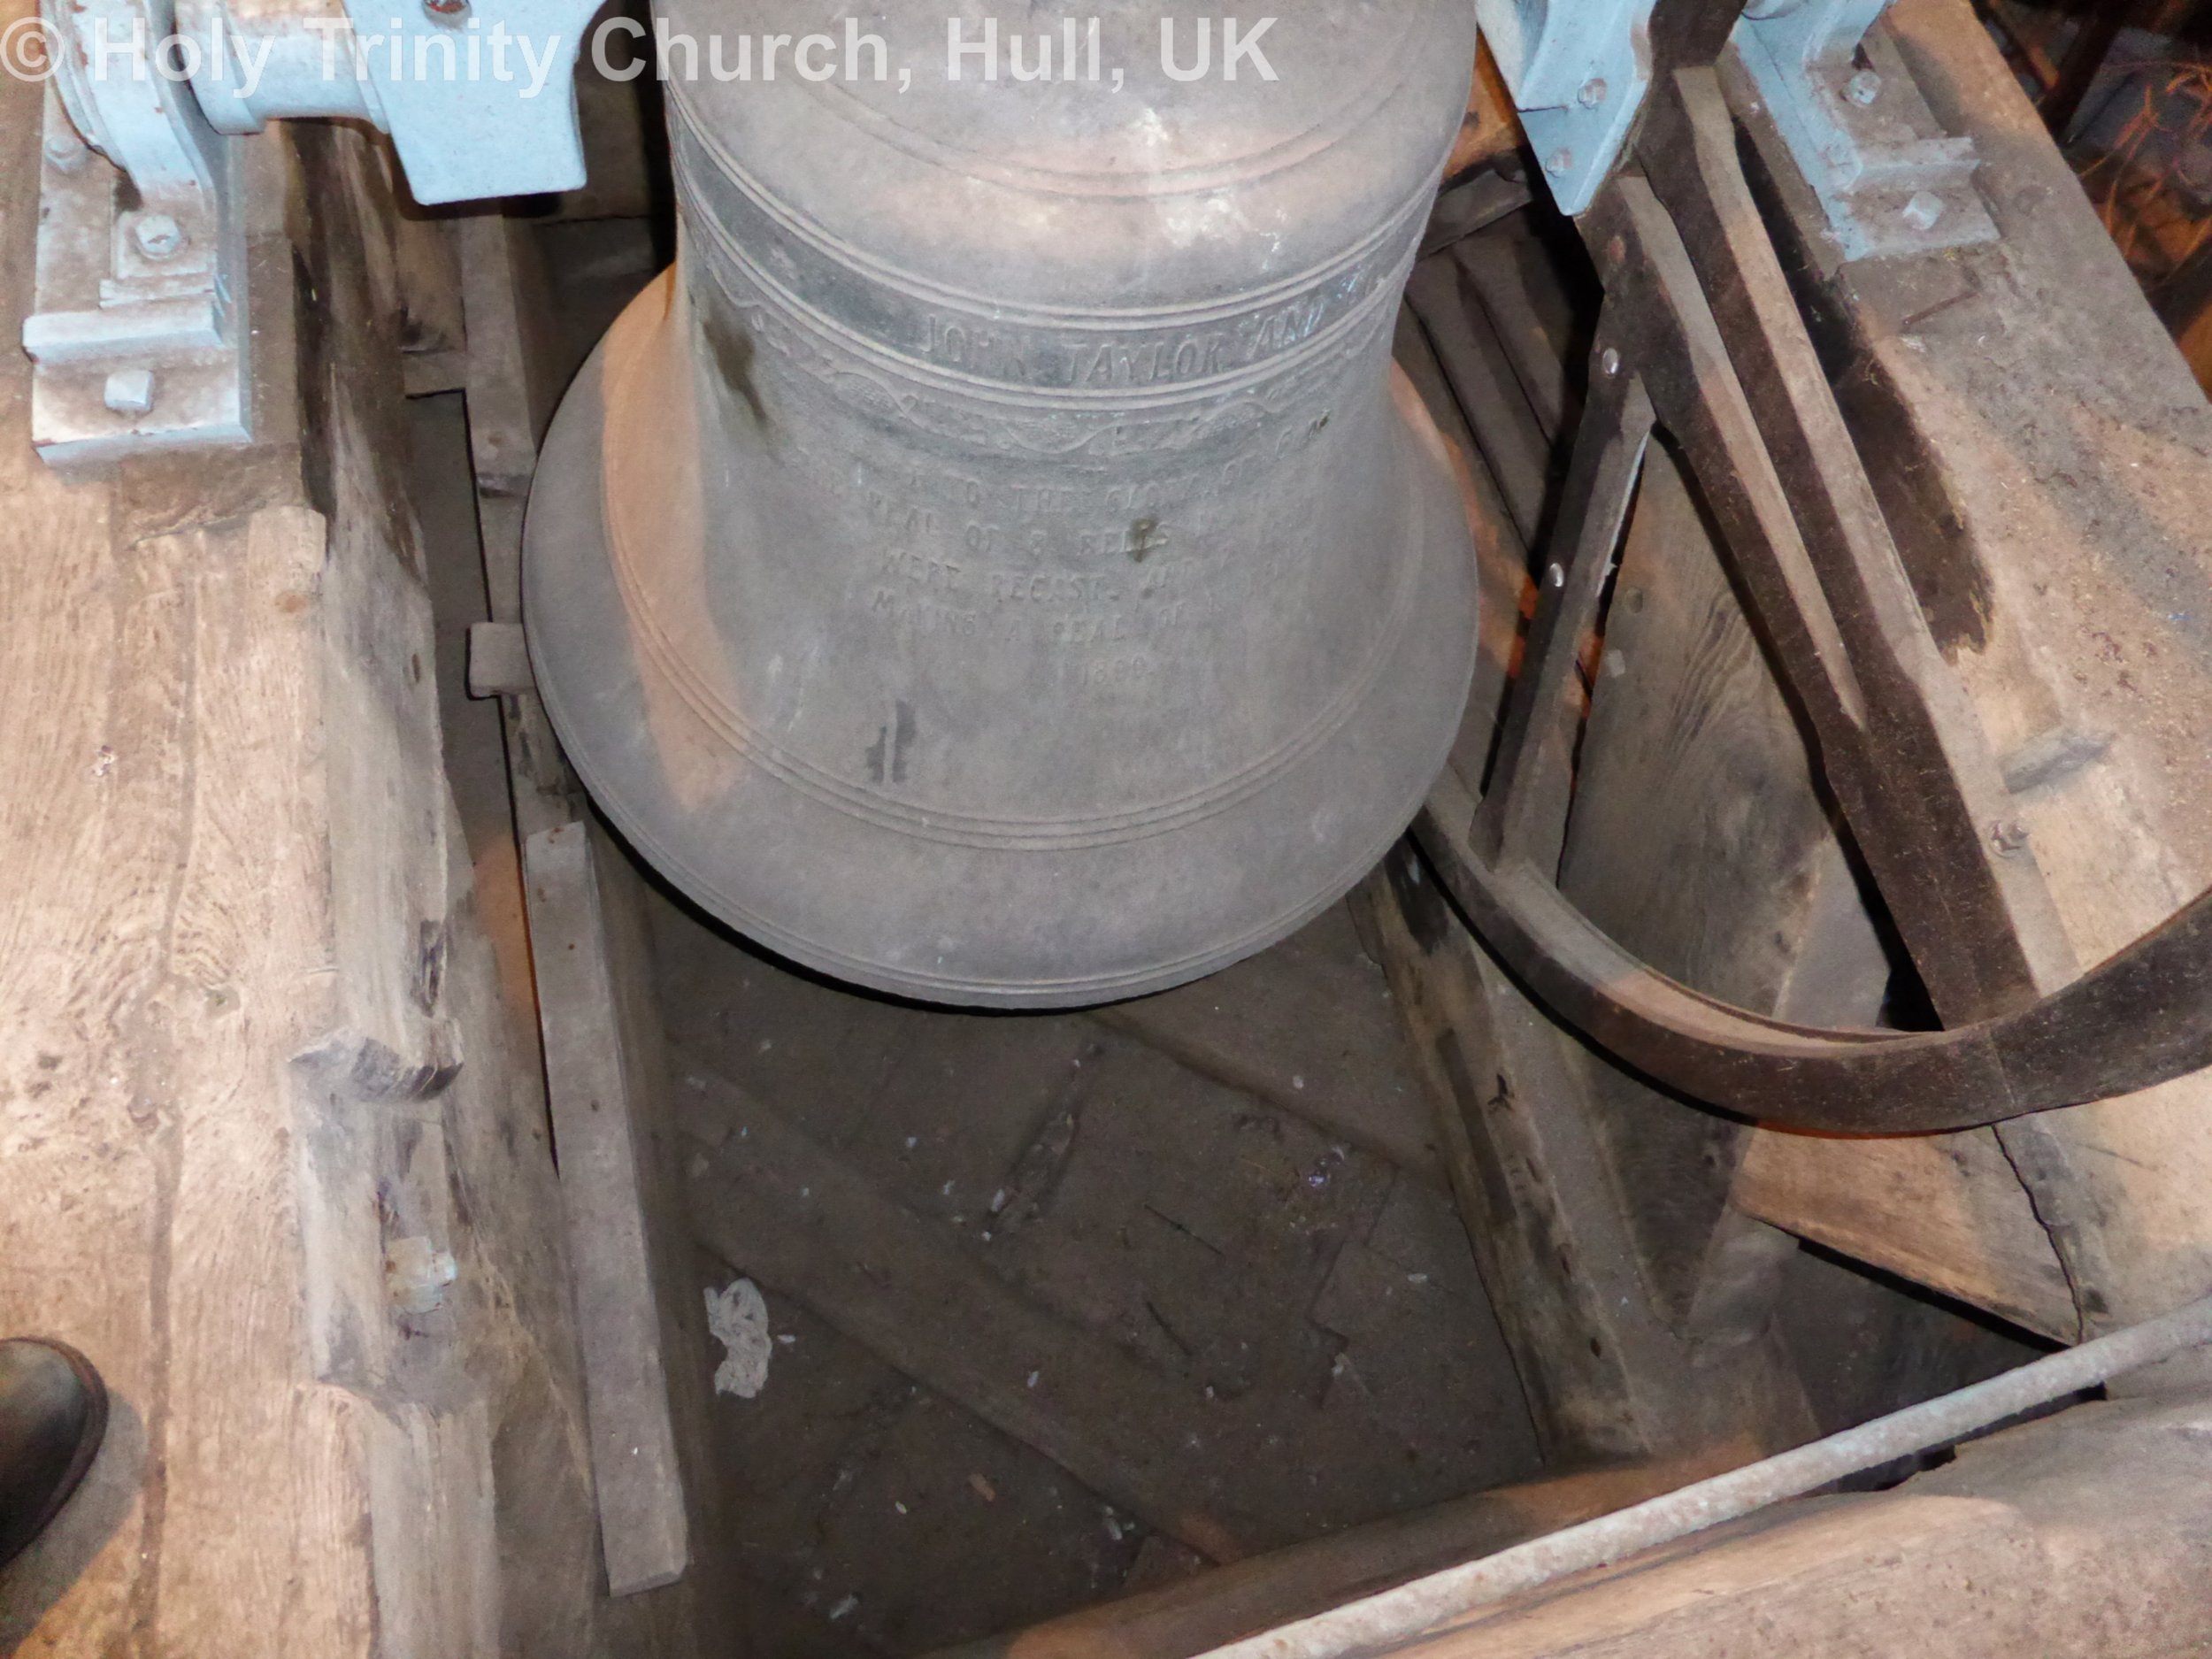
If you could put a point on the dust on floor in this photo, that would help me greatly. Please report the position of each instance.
(1214, 1215)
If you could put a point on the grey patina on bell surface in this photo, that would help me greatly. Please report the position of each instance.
(997, 565)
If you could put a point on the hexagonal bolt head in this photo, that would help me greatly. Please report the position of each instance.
(1594, 92)
(1923, 209)
(158, 236)
(1863, 87)
(130, 392)
(1560, 162)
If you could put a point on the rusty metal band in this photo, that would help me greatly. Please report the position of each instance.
(1742, 398)
(2140, 1019)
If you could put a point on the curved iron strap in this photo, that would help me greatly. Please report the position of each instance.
(2142, 1017)
(1750, 411)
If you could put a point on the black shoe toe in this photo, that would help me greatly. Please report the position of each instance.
(53, 1412)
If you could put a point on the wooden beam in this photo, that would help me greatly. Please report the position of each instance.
(598, 1049)
(640, 1312)
(511, 395)
(1227, 1481)
(1513, 1138)
(2086, 1534)
(242, 969)
(1603, 1374)
(2039, 443)
(1973, 1234)
(1228, 1603)
(1598, 1208)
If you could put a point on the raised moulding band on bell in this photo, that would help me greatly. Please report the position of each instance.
(995, 565)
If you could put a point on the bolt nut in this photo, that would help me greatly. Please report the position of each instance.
(1610, 361)
(1923, 211)
(1559, 163)
(130, 392)
(1863, 87)
(158, 236)
(2009, 838)
(1594, 92)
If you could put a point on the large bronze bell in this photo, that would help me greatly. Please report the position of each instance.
(996, 565)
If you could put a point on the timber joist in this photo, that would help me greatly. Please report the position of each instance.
(1701, 340)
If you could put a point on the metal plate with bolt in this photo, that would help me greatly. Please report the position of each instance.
(140, 326)
(1857, 124)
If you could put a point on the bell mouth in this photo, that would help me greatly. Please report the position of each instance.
(836, 869)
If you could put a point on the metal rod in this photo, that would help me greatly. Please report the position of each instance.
(1380, 1623)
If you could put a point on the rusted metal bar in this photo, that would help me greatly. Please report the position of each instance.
(1379, 1624)
(1742, 397)
(2142, 1017)
(1524, 814)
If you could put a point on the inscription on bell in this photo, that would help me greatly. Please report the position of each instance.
(1131, 362)
(1034, 593)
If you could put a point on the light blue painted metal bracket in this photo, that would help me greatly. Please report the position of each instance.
(138, 329)
(479, 96)
(137, 333)
(1859, 129)
(464, 136)
(1845, 103)
(1578, 70)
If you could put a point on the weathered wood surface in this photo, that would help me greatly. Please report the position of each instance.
(1638, 1306)
(1480, 373)
(1604, 1373)
(1697, 836)
(772, 1204)
(1974, 1235)
(1699, 842)
(1307, 1026)
(2080, 1536)
(512, 388)
(2057, 542)
(1228, 1474)
(241, 964)
(1226, 1603)
(639, 1308)
(599, 1060)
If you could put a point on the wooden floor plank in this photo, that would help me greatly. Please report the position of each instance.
(1227, 1603)
(593, 1068)
(771, 1203)
(1227, 1472)
(1974, 1235)
(1308, 1027)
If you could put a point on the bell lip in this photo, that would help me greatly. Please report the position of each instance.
(567, 502)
